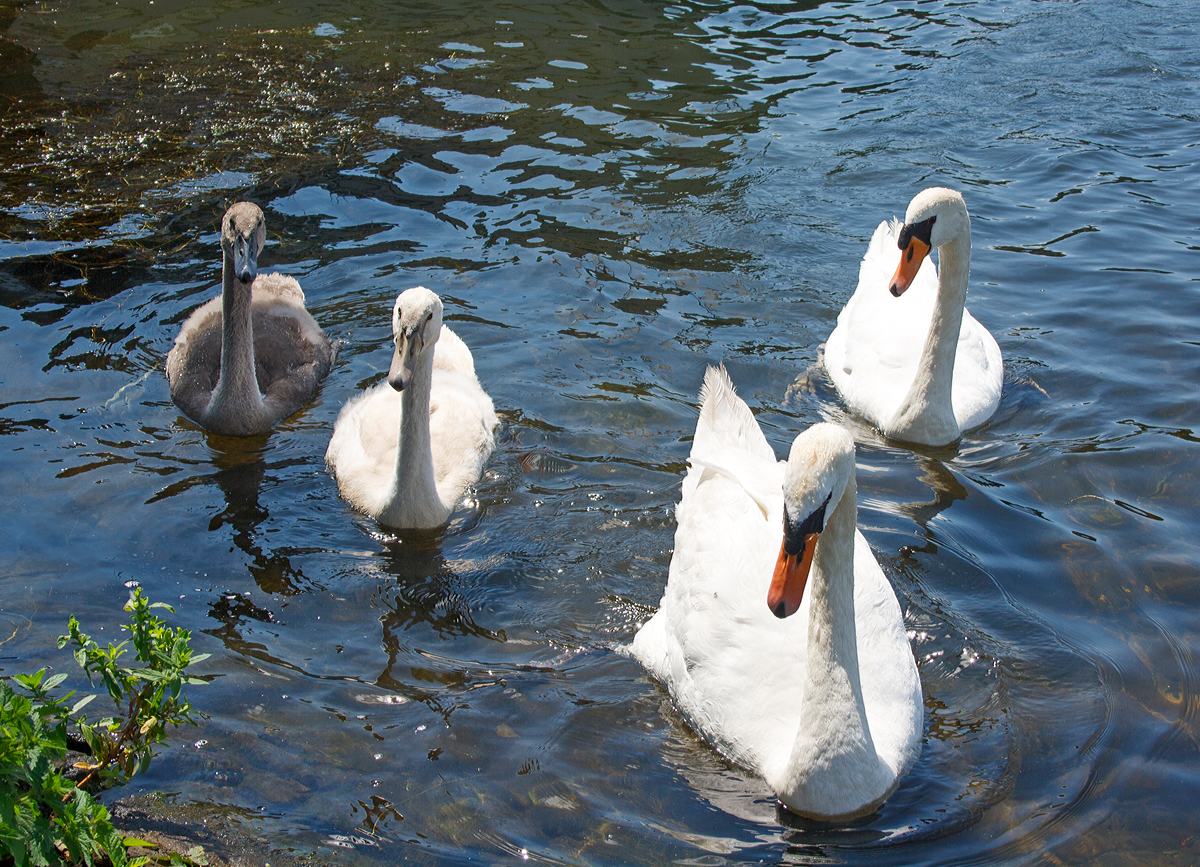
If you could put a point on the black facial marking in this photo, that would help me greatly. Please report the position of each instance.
(921, 230)
(794, 534)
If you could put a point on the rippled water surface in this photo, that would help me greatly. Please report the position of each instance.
(608, 197)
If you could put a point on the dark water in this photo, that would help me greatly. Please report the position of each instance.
(610, 196)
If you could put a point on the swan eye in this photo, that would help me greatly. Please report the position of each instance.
(922, 231)
(794, 534)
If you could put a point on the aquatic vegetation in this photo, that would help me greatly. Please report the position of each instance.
(47, 808)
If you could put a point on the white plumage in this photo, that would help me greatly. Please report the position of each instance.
(406, 450)
(918, 366)
(825, 705)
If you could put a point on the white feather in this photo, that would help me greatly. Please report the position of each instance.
(736, 672)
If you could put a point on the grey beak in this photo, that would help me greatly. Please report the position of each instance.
(245, 258)
(400, 372)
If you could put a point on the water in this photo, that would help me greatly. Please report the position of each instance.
(608, 197)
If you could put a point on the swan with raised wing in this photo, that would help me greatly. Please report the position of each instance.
(825, 705)
(406, 450)
(253, 355)
(906, 354)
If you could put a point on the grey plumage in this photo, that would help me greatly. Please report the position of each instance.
(253, 355)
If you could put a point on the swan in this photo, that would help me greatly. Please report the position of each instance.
(915, 362)
(405, 450)
(826, 706)
(252, 355)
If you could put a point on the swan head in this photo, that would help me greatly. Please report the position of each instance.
(935, 217)
(819, 467)
(243, 233)
(416, 326)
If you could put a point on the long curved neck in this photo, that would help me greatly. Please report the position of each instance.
(927, 414)
(237, 388)
(833, 733)
(415, 501)
(832, 680)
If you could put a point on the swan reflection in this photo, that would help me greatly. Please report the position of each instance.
(240, 470)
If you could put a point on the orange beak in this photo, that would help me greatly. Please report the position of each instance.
(910, 262)
(791, 576)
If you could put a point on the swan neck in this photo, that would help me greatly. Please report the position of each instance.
(237, 383)
(941, 344)
(832, 638)
(927, 413)
(833, 738)
(415, 487)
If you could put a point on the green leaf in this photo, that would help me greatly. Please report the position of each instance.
(30, 681)
(80, 704)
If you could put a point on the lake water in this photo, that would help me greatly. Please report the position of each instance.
(610, 196)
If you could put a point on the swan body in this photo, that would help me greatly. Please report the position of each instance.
(912, 360)
(252, 355)
(825, 705)
(405, 450)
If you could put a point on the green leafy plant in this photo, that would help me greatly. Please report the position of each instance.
(147, 699)
(41, 812)
(45, 816)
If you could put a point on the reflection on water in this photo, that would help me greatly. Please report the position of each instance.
(608, 197)
(240, 471)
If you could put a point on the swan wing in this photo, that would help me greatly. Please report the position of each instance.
(362, 450)
(887, 670)
(462, 426)
(451, 353)
(978, 374)
(291, 352)
(280, 287)
(725, 420)
(713, 642)
(194, 362)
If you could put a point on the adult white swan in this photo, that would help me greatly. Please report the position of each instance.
(906, 355)
(825, 706)
(252, 355)
(406, 450)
